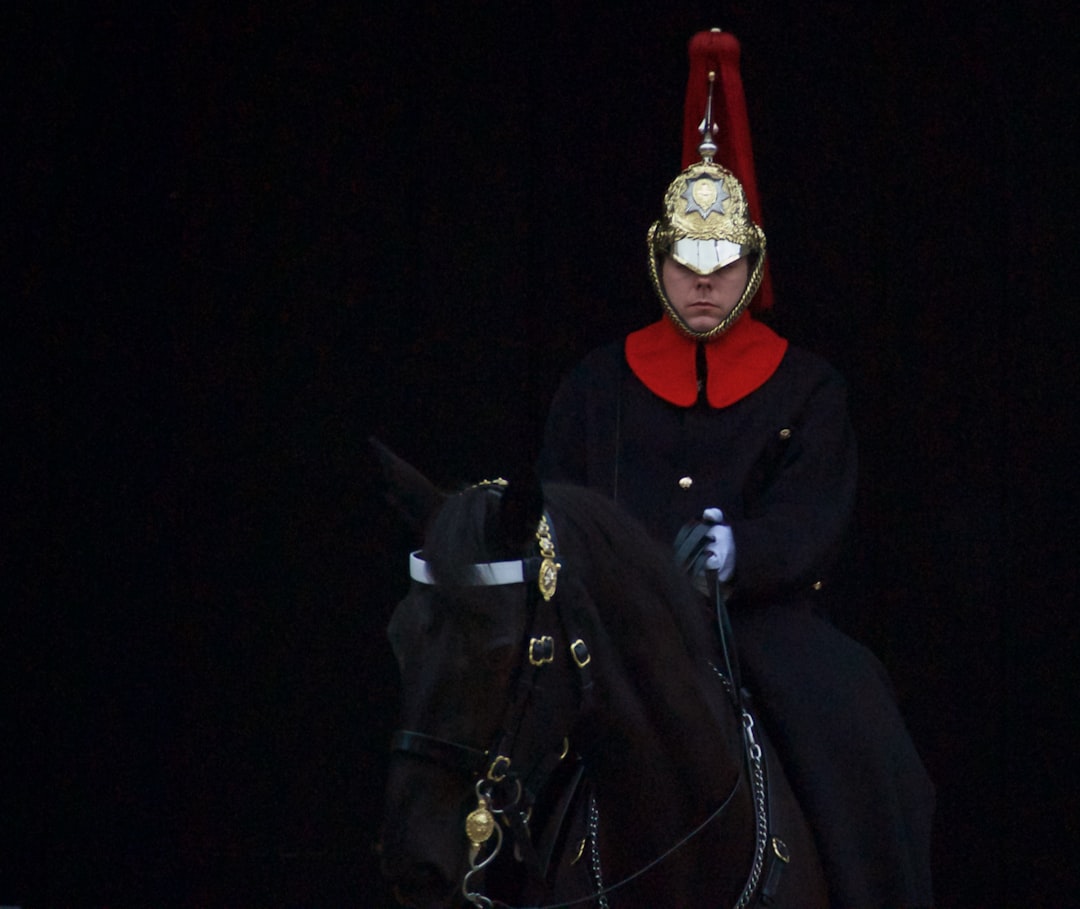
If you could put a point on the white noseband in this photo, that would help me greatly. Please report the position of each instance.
(489, 574)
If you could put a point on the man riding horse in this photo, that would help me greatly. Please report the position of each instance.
(709, 416)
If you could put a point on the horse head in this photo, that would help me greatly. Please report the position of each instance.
(483, 722)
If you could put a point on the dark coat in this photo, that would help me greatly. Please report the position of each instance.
(781, 463)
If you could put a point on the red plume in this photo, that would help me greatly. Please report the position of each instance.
(718, 51)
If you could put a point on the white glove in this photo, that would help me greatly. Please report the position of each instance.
(721, 545)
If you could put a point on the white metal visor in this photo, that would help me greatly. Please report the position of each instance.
(488, 574)
(705, 256)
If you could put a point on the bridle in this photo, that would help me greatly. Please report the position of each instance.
(501, 789)
(502, 792)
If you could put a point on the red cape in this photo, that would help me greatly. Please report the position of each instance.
(740, 361)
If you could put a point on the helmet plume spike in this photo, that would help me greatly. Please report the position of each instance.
(707, 127)
(714, 84)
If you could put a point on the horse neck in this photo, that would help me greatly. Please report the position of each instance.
(675, 716)
(664, 726)
(668, 755)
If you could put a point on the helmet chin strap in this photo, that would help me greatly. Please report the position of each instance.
(752, 285)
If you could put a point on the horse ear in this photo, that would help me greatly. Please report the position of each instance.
(520, 510)
(412, 494)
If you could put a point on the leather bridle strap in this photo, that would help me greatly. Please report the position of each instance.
(691, 553)
(449, 754)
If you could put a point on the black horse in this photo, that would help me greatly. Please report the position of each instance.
(568, 737)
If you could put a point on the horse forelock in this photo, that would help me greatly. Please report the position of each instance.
(459, 537)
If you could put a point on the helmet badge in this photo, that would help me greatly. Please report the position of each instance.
(705, 196)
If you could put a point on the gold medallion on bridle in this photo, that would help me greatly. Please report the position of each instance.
(549, 568)
(549, 578)
(480, 824)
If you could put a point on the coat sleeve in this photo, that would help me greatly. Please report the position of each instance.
(794, 522)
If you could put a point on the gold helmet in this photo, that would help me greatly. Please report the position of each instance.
(708, 219)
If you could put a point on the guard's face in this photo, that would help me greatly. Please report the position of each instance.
(704, 301)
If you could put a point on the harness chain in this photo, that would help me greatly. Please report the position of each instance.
(478, 861)
(594, 837)
(757, 784)
(601, 895)
(753, 750)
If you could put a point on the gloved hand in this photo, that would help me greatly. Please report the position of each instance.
(721, 545)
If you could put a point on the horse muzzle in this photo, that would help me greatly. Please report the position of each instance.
(417, 882)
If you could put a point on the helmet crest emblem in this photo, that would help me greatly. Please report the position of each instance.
(705, 196)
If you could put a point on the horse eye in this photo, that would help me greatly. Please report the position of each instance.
(409, 625)
(397, 644)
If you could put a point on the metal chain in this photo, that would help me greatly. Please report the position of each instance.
(594, 839)
(761, 826)
(757, 785)
(761, 820)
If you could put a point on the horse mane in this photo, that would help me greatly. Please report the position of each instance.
(621, 555)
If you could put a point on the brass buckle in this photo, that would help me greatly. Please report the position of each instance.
(541, 650)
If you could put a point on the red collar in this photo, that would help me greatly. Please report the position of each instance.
(740, 361)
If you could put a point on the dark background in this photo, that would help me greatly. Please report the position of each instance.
(241, 238)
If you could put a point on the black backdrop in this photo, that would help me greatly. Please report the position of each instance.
(242, 240)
